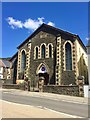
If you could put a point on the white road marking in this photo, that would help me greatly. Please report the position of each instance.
(73, 116)
(41, 107)
(6, 92)
(73, 102)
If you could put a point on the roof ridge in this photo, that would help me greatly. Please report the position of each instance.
(53, 28)
(59, 29)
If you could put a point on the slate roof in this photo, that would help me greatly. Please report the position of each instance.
(1, 64)
(58, 31)
(15, 55)
(4, 63)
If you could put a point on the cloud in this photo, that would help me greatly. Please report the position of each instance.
(29, 24)
(51, 24)
(33, 24)
(87, 38)
(14, 23)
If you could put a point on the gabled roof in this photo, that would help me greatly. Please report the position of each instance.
(1, 64)
(15, 55)
(4, 63)
(29, 37)
(58, 31)
(8, 58)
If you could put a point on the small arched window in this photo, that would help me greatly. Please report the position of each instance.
(50, 51)
(23, 61)
(36, 52)
(68, 52)
(43, 51)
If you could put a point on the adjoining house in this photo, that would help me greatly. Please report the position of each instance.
(5, 69)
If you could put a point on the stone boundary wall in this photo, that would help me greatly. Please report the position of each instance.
(13, 86)
(63, 90)
(6, 81)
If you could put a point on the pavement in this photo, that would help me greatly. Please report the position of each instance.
(13, 110)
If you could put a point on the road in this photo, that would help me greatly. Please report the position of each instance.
(60, 106)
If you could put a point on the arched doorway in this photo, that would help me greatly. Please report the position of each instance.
(43, 75)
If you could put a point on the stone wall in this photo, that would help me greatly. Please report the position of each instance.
(68, 77)
(7, 81)
(64, 90)
(49, 62)
(13, 86)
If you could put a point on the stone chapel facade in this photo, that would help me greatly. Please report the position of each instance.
(54, 55)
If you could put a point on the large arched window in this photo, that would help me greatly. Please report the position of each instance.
(36, 52)
(68, 52)
(23, 61)
(43, 51)
(50, 51)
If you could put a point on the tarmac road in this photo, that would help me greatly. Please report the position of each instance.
(56, 105)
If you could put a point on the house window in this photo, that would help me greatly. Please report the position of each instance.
(36, 53)
(68, 56)
(43, 51)
(23, 61)
(50, 51)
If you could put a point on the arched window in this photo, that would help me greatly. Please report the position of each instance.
(36, 52)
(68, 56)
(43, 51)
(23, 61)
(50, 51)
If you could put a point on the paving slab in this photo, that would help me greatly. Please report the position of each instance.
(13, 110)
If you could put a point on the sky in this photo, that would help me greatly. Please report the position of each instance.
(20, 19)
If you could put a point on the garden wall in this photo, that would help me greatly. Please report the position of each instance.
(64, 90)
